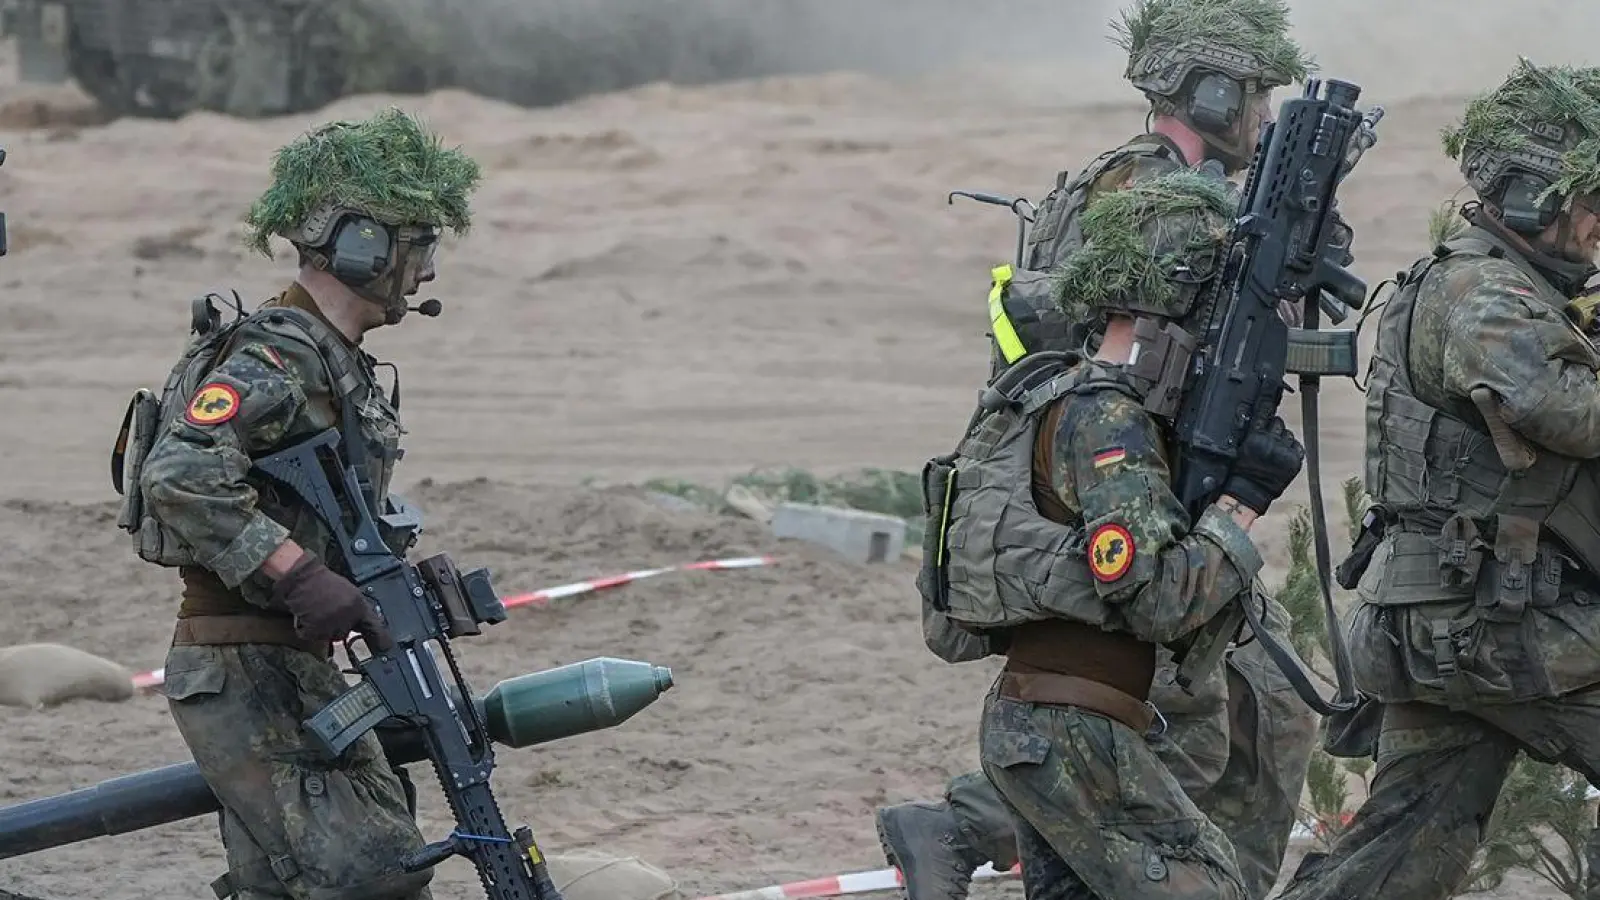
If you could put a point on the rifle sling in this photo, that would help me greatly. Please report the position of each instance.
(1282, 655)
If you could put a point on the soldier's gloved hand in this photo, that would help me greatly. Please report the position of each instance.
(327, 607)
(1340, 238)
(1267, 464)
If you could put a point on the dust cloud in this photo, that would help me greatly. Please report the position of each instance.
(553, 51)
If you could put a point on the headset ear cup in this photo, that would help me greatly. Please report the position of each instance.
(360, 251)
(1215, 103)
(1521, 208)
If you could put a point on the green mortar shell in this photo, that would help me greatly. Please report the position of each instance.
(573, 699)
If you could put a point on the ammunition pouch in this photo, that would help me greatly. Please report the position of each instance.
(1349, 573)
(947, 640)
(1516, 573)
(153, 541)
(1353, 733)
(938, 487)
(1160, 368)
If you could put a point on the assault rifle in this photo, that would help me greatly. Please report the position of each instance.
(1279, 249)
(423, 604)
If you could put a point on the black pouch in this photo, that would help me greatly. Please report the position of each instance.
(938, 492)
(1353, 734)
(1348, 573)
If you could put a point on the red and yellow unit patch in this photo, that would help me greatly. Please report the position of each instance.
(1109, 457)
(213, 404)
(1110, 552)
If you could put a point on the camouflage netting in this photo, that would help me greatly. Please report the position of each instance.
(1257, 28)
(1135, 240)
(389, 167)
(1501, 120)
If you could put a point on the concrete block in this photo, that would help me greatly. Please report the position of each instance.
(859, 536)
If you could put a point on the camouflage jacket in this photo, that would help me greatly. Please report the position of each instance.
(1497, 322)
(1109, 469)
(271, 388)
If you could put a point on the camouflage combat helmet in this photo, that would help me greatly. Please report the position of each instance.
(1542, 120)
(387, 168)
(1148, 249)
(1167, 40)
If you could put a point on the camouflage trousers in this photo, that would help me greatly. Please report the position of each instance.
(1239, 749)
(296, 824)
(1438, 776)
(1098, 816)
(1463, 693)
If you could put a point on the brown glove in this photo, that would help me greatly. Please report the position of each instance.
(327, 607)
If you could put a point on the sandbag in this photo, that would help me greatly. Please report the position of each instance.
(34, 676)
(587, 875)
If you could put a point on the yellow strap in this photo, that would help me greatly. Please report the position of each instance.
(1006, 334)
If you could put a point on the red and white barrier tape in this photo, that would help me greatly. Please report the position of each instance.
(889, 880)
(541, 598)
(843, 885)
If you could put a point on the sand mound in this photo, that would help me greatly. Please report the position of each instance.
(34, 676)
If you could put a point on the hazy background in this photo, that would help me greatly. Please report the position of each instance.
(549, 50)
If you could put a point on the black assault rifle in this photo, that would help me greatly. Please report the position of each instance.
(428, 602)
(1279, 249)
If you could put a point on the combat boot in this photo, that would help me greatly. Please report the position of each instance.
(923, 841)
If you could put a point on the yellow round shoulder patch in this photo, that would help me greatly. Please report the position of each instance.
(213, 404)
(1110, 552)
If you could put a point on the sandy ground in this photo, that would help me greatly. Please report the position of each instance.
(663, 282)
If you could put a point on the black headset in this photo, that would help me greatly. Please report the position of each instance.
(1520, 208)
(359, 251)
(1215, 103)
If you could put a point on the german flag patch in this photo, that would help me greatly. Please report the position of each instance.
(266, 354)
(1109, 457)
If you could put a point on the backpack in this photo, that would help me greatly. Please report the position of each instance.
(1024, 318)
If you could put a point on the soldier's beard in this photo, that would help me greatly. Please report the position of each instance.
(1234, 151)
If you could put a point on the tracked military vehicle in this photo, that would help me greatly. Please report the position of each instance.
(252, 58)
(165, 58)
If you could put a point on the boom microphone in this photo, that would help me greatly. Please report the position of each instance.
(430, 307)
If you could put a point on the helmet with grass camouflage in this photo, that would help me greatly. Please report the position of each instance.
(1148, 249)
(387, 167)
(388, 170)
(1543, 121)
(1168, 40)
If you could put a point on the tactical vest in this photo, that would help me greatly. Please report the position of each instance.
(1459, 523)
(357, 400)
(991, 560)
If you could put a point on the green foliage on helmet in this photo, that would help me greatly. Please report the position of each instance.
(388, 167)
(1146, 247)
(1546, 119)
(1243, 38)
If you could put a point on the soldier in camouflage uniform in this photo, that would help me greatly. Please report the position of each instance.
(1477, 623)
(1065, 546)
(1241, 743)
(363, 204)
